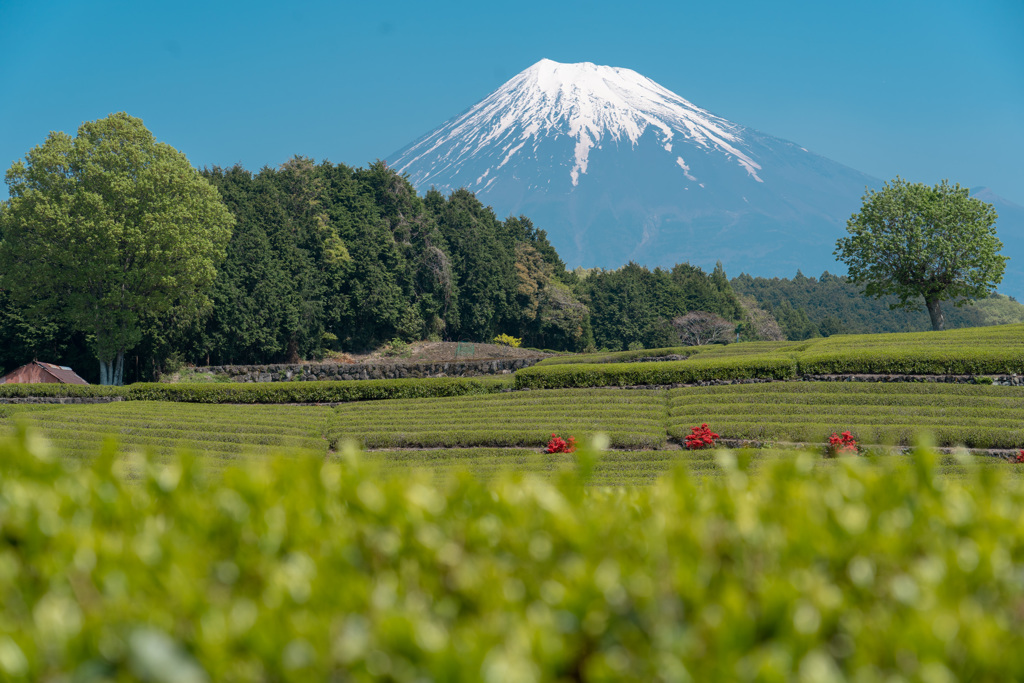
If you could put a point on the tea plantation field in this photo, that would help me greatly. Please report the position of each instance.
(415, 530)
(486, 432)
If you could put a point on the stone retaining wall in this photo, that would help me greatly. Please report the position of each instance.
(339, 372)
(62, 399)
(1013, 380)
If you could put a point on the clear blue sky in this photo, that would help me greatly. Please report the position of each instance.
(927, 89)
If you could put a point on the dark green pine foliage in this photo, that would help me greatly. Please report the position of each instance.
(262, 296)
(482, 259)
(386, 221)
(634, 306)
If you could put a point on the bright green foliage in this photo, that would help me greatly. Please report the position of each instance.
(913, 241)
(301, 570)
(110, 228)
(508, 340)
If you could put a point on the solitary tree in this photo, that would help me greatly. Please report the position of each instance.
(698, 328)
(911, 240)
(109, 229)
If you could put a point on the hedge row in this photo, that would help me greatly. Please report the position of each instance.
(669, 372)
(942, 360)
(270, 392)
(508, 438)
(620, 356)
(60, 391)
(819, 390)
(301, 570)
(812, 429)
(315, 392)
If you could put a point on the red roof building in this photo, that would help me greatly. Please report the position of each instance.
(42, 373)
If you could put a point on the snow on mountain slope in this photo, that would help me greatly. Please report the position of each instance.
(586, 102)
(616, 167)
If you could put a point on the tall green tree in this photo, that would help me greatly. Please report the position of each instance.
(108, 229)
(915, 241)
(483, 262)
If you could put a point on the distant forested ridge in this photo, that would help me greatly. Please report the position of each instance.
(808, 307)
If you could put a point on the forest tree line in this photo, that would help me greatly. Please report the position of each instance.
(326, 258)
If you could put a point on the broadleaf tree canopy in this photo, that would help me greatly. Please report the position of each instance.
(914, 241)
(108, 229)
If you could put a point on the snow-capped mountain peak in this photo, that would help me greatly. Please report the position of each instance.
(588, 103)
(616, 167)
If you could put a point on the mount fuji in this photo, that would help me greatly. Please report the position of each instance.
(617, 168)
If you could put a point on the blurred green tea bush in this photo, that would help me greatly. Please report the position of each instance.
(306, 569)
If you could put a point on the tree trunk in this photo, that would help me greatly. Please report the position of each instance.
(118, 379)
(935, 311)
(112, 371)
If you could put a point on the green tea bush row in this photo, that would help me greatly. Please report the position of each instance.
(814, 429)
(669, 372)
(998, 336)
(305, 570)
(460, 438)
(818, 390)
(975, 416)
(615, 468)
(504, 420)
(269, 392)
(78, 430)
(499, 414)
(70, 444)
(954, 360)
(621, 356)
(771, 348)
(975, 351)
(866, 413)
(54, 390)
(316, 392)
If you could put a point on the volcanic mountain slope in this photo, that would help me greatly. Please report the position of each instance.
(616, 168)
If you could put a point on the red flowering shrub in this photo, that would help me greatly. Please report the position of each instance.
(560, 445)
(700, 437)
(1020, 456)
(842, 444)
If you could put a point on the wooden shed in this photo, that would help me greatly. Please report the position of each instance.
(42, 373)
